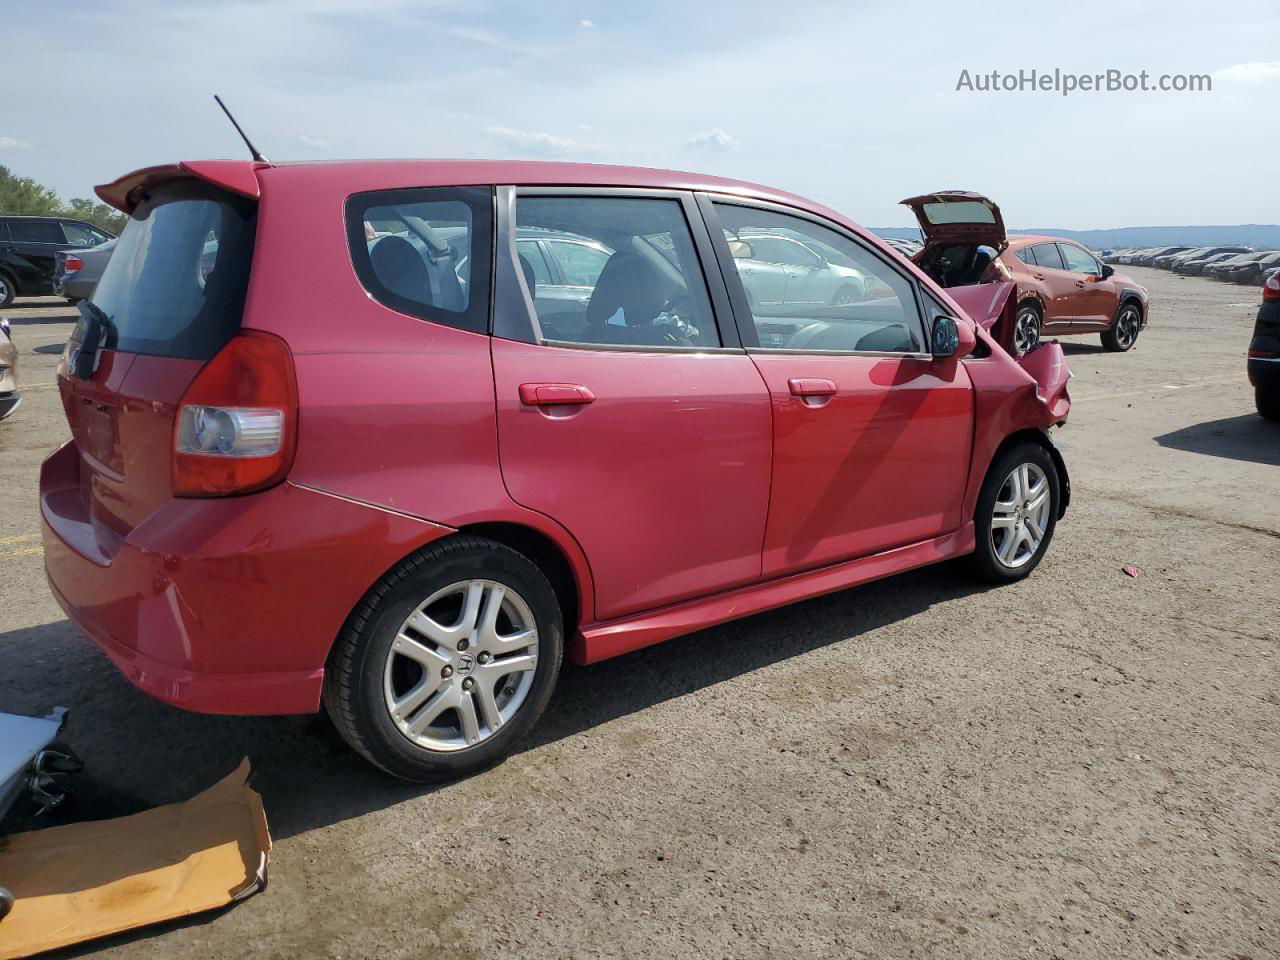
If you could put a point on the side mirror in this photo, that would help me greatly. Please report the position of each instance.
(951, 339)
(1107, 270)
(740, 250)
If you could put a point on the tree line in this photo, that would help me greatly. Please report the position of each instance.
(23, 196)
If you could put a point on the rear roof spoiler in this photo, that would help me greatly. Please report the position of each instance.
(238, 176)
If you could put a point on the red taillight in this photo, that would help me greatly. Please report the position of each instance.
(72, 264)
(237, 424)
(1271, 289)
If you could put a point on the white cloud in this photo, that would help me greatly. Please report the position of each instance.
(586, 24)
(8, 143)
(714, 139)
(315, 143)
(1251, 72)
(538, 143)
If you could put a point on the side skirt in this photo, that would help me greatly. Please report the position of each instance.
(600, 641)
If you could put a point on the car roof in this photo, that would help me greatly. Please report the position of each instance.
(1021, 240)
(356, 176)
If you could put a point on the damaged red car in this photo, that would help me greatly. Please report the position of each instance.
(509, 413)
(1062, 288)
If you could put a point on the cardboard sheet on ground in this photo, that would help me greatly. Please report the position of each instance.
(88, 880)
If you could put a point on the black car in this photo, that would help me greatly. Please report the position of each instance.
(1264, 351)
(27, 248)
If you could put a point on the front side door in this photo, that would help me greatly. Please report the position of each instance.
(872, 436)
(1095, 299)
(641, 431)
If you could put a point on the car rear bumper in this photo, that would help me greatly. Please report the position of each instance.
(1264, 372)
(226, 605)
(73, 287)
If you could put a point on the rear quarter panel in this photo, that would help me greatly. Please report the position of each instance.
(394, 411)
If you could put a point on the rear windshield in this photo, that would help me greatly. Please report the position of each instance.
(176, 281)
(959, 211)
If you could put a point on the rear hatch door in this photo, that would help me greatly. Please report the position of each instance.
(958, 216)
(171, 296)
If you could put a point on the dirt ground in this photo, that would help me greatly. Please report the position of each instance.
(1081, 765)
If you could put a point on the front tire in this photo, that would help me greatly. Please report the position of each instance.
(1124, 332)
(1016, 514)
(1026, 329)
(448, 661)
(8, 290)
(1268, 403)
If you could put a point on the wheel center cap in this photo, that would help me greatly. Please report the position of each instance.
(466, 663)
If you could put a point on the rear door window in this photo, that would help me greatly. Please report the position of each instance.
(1047, 256)
(176, 281)
(82, 235)
(632, 273)
(426, 252)
(36, 231)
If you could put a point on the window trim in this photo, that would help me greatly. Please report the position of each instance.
(478, 317)
(743, 317)
(514, 316)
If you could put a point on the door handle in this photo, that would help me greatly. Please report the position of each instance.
(816, 387)
(1080, 283)
(555, 394)
(1038, 276)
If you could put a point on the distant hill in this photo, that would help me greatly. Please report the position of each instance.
(1260, 236)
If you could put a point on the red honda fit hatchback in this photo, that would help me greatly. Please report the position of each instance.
(395, 437)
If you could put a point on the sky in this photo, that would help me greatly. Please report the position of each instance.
(853, 104)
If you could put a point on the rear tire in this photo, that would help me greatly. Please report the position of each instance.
(1268, 403)
(1123, 334)
(427, 679)
(1012, 524)
(8, 290)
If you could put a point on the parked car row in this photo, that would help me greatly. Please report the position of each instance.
(1236, 264)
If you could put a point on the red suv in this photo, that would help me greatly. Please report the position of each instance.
(338, 438)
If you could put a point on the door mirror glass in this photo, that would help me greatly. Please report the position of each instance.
(741, 250)
(945, 339)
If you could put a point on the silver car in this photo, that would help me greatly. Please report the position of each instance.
(9, 398)
(777, 269)
(76, 272)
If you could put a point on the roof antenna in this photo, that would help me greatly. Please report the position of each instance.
(256, 153)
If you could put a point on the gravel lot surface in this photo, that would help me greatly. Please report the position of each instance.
(1081, 765)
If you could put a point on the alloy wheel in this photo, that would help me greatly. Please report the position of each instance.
(1026, 331)
(461, 665)
(1020, 516)
(4, 289)
(1127, 327)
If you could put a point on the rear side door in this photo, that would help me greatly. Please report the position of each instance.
(1049, 268)
(644, 431)
(33, 243)
(872, 436)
